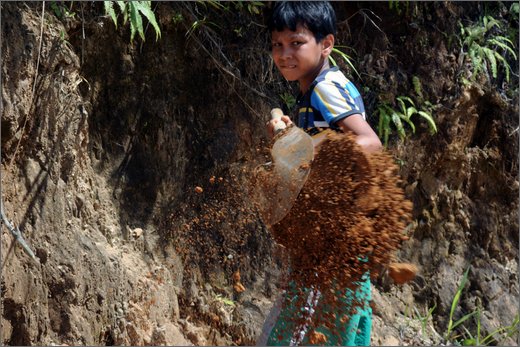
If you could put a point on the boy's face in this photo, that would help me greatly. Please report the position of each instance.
(298, 56)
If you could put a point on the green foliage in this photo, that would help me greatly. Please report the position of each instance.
(288, 99)
(396, 6)
(390, 117)
(454, 324)
(424, 319)
(466, 338)
(514, 10)
(417, 87)
(477, 339)
(498, 334)
(199, 23)
(344, 56)
(61, 11)
(134, 10)
(482, 44)
(253, 7)
(224, 300)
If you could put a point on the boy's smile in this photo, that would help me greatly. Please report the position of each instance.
(298, 56)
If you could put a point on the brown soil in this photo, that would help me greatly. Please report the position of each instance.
(349, 218)
(401, 272)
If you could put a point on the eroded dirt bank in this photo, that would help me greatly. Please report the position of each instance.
(104, 145)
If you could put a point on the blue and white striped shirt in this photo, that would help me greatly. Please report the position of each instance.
(330, 98)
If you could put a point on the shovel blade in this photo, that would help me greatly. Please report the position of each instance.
(292, 154)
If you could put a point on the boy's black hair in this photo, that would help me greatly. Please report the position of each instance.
(317, 16)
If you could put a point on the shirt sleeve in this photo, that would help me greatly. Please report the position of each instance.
(335, 101)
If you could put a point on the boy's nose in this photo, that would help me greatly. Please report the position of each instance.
(286, 52)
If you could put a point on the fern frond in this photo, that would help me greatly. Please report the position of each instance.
(109, 9)
(398, 125)
(401, 104)
(136, 22)
(490, 55)
(490, 22)
(145, 7)
(504, 62)
(122, 8)
(503, 46)
(475, 60)
(417, 86)
(410, 111)
(429, 119)
(409, 122)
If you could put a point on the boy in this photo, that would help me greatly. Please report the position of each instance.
(302, 36)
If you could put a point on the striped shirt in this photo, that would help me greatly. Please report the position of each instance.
(330, 98)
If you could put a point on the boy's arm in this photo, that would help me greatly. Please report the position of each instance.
(365, 135)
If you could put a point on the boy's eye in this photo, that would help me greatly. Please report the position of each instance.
(296, 43)
(276, 44)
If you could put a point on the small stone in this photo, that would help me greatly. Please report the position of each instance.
(137, 232)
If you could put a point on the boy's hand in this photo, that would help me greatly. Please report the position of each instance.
(270, 124)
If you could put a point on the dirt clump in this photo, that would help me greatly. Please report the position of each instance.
(402, 272)
(348, 220)
(317, 338)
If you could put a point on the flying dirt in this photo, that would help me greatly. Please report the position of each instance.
(349, 219)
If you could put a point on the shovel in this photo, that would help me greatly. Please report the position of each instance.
(292, 154)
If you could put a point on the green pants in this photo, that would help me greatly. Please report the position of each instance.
(354, 332)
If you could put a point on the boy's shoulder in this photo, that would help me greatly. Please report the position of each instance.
(333, 78)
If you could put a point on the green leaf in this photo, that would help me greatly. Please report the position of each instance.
(429, 119)
(409, 122)
(417, 86)
(463, 319)
(410, 111)
(399, 125)
(332, 60)
(407, 99)
(490, 54)
(145, 8)
(346, 58)
(109, 9)
(503, 46)
(455, 302)
(469, 342)
(381, 114)
(504, 62)
(124, 10)
(136, 22)
(402, 105)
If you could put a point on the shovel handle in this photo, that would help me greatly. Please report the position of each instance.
(277, 114)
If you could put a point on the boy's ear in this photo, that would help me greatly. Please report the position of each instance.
(328, 44)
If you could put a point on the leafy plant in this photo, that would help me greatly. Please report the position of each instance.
(396, 5)
(199, 23)
(224, 300)
(477, 339)
(344, 56)
(133, 10)
(417, 87)
(288, 99)
(389, 116)
(61, 11)
(514, 9)
(482, 46)
(497, 334)
(454, 324)
(424, 319)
